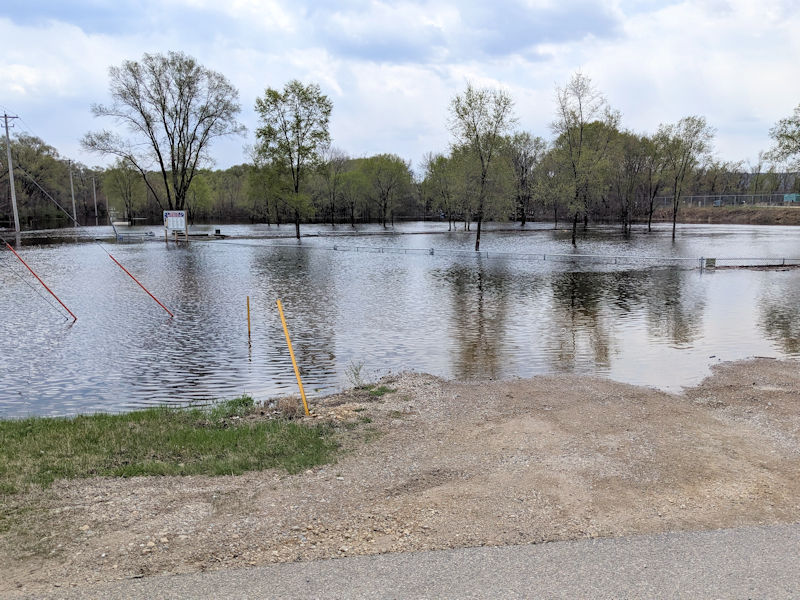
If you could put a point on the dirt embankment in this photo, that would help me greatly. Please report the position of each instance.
(438, 464)
(737, 215)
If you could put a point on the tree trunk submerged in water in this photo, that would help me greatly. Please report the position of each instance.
(674, 215)
(575, 229)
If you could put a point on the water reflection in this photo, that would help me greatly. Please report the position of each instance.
(479, 309)
(303, 280)
(780, 312)
(674, 309)
(580, 322)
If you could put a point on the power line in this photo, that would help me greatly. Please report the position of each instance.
(75, 220)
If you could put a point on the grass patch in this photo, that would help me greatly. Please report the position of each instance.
(381, 390)
(218, 440)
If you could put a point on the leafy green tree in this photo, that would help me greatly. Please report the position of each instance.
(440, 184)
(390, 177)
(584, 127)
(684, 145)
(125, 188)
(719, 177)
(479, 118)
(228, 189)
(756, 170)
(41, 177)
(628, 164)
(173, 109)
(552, 183)
(257, 190)
(653, 174)
(466, 168)
(525, 153)
(332, 168)
(199, 199)
(354, 189)
(293, 133)
(786, 135)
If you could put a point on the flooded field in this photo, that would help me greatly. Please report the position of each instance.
(381, 303)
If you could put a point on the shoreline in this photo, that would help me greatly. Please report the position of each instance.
(436, 464)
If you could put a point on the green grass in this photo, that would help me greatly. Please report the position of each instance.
(379, 391)
(219, 440)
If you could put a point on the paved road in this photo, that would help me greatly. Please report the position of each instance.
(751, 562)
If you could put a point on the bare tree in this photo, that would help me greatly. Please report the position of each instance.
(173, 108)
(478, 119)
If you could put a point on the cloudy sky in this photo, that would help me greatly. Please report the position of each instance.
(392, 67)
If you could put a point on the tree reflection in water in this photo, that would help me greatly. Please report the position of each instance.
(578, 326)
(674, 309)
(480, 298)
(780, 313)
(304, 282)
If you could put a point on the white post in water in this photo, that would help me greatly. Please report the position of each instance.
(11, 175)
(72, 191)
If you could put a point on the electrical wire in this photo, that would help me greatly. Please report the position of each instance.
(53, 200)
(75, 221)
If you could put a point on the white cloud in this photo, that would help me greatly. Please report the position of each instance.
(391, 68)
(268, 15)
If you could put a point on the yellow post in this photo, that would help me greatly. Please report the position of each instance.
(294, 362)
(248, 318)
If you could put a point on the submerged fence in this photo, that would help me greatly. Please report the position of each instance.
(732, 200)
(689, 262)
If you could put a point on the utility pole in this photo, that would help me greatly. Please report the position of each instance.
(72, 191)
(11, 175)
(94, 195)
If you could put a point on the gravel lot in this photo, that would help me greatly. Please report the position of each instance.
(438, 464)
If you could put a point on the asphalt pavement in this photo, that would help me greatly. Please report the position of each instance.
(747, 562)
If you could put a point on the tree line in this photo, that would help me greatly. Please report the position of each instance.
(171, 109)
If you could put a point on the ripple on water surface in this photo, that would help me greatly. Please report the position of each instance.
(458, 316)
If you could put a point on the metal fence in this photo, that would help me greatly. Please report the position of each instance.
(732, 200)
(685, 261)
(689, 262)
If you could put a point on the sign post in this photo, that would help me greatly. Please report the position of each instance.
(175, 221)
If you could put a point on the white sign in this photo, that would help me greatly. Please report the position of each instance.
(175, 220)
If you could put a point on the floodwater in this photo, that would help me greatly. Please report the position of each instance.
(511, 313)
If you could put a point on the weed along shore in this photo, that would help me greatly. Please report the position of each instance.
(412, 462)
(228, 438)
